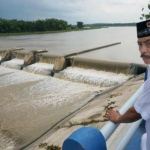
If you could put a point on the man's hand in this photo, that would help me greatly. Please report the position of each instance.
(129, 116)
(113, 115)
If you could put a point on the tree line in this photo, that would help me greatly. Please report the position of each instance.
(18, 26)
(21, 26)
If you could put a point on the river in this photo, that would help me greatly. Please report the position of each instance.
(75, 41)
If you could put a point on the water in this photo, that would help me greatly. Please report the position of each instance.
(92, 77)
(14, 63)
(40, 68)
(30, 104)
(68, 42)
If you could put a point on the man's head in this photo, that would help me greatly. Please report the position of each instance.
(143, 34)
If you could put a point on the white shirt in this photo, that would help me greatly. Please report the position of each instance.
(142, 106)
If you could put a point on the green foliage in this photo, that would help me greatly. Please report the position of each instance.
(80, 24)
(19, 26)
(51, 147)
(145, 16)
(110, 105)
(71, 26)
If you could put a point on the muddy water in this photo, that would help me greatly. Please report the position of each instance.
(14, 63)
(40, 68)
(92, 77)
(68, 42)
(30, 104)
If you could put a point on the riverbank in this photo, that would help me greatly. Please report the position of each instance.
(49, 32)
(89, 115)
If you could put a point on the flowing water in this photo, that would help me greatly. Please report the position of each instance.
(92, 77)
(14, 63)
(40, 68)
(32, 103)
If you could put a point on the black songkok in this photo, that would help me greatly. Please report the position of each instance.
(143, 29)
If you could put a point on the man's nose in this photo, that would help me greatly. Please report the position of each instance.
(143, 49)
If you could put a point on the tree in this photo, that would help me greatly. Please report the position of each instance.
(147, 15)
(16, 26)
(80, 24)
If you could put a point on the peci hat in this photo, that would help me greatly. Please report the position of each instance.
(143, 29)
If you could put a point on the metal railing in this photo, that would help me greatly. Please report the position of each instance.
(127, 137)
(88, 138)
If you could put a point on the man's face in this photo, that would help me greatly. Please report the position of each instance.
(144, 48)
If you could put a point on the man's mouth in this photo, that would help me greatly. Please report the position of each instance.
(145, 56)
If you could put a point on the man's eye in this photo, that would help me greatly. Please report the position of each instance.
(148, 44)
(139, 44)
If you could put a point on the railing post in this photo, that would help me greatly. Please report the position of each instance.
(85, 138)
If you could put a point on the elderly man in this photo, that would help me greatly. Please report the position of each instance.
(141, 109)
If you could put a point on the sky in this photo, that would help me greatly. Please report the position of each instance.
(87, 11)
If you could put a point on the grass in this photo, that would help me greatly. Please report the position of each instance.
(47, 32)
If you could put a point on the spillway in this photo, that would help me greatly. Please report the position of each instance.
(31, 104)
(32, 101)
(92, 77)
(44, 66)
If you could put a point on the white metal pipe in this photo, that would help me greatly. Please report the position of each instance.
(110, 127)
(127, 137)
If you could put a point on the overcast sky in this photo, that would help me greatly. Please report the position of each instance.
(87, 11)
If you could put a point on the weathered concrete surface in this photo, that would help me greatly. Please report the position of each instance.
(92, 115)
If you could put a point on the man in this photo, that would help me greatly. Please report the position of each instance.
(141, 108)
